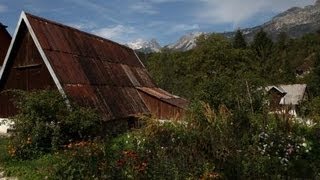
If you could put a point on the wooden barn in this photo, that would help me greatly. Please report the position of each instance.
(90, 70)
(5, 39)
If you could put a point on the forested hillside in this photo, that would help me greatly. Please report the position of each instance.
(229, 71)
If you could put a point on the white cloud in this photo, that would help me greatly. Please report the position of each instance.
(236, 11)
(117, 33)
(183, 27)
(3, 8)
(164, 1)
(143, 7)
(149, 6)
(103, 10)
(83, 25)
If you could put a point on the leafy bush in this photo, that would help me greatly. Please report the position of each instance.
(45, 123)
(81, 160)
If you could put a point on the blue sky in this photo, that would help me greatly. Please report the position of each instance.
(165, 20)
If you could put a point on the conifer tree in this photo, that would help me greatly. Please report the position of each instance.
(239, 42)
(262, 45)
(315, 79)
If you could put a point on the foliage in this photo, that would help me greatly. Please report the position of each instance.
(81, 160)
(262, 45)
(315, 79)
(40, 168)
(45, 123)
(238, 41)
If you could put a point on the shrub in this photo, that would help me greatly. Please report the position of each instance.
(220, 144)
(45, 123)
(82, 160)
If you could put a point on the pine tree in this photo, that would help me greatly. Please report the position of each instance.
(239, 42)
(282, 40)
(262, 45)
(314, 83)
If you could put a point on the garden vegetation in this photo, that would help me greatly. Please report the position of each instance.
(227, 132)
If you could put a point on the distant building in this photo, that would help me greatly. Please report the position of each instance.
(287, 98)
(90, 70)
(5, 39)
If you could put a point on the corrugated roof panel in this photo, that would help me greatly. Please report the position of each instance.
(87, 95)
(93, 70)
(67, 68)
(143, 77)
(131, 76)
(42, 35)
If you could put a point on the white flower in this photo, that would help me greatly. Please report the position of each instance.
(304, 144)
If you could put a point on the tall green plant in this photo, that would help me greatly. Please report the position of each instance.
(45, 123)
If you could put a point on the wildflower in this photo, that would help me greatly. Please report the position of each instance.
(120, 162)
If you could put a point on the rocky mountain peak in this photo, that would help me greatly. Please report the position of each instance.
(145, 45)
(186, 42)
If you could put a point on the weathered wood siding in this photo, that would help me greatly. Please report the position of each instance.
(5, 40)
(161, 109)
(274, 99)
(25, 71)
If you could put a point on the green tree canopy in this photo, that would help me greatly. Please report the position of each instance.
(238, 41)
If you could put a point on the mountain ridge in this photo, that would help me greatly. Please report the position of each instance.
(295, 21)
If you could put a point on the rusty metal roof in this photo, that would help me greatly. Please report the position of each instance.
(165, 96)
(97, 72)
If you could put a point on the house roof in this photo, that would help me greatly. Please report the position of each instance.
(92, 70)
(279, 89)
(293, 93)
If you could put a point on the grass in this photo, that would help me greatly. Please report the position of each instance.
(40, 168)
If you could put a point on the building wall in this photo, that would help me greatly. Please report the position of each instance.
(161, 109)
(274, 99)
(5, 40)
(25, 71)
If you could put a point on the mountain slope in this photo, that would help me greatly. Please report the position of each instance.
(295, 22)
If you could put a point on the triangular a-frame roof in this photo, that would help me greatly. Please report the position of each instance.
(91, 70)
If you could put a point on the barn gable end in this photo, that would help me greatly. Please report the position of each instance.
(24, 70)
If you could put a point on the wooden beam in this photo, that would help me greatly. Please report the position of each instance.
(28, 66)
